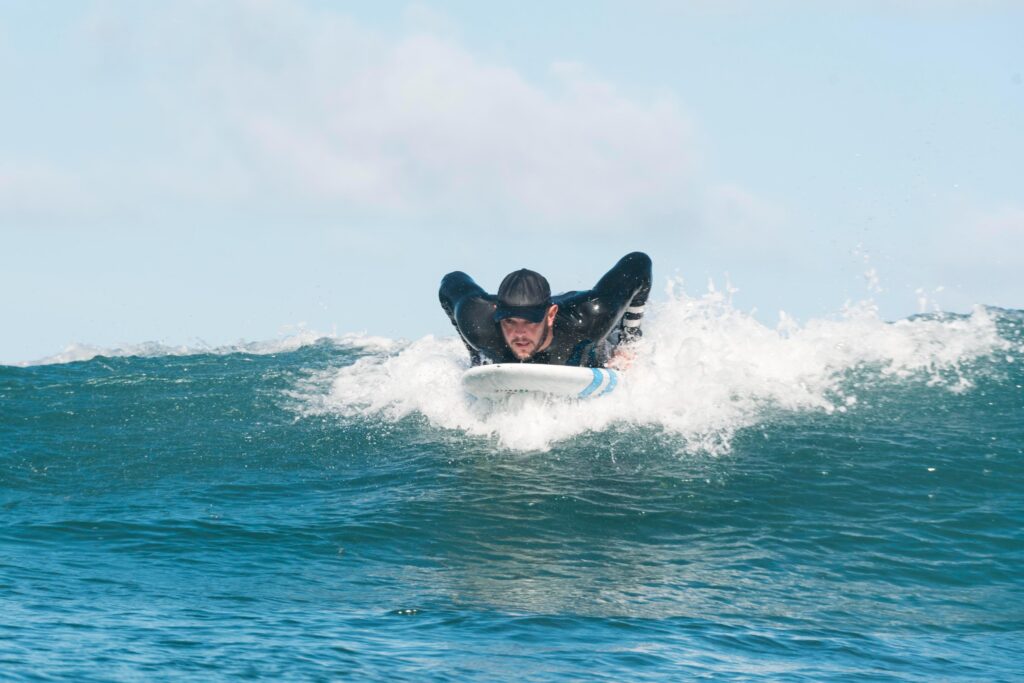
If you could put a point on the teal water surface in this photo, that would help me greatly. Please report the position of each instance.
(180, 517)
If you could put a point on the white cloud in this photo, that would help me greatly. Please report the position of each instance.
(993, 237)
(737, 217)
(974, 257)
(35, 190)
(270, 101)
(1007, 222)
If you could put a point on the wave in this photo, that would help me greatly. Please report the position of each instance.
(293, 342)
(704, 370)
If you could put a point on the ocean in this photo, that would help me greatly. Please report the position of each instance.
(838, 499)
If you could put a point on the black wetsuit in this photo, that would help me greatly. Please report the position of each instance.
(587, 327)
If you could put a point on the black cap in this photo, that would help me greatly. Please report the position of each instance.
(523, 294)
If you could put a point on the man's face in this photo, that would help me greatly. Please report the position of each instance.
(526, 338)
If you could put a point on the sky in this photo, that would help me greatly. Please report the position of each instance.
(237, 170)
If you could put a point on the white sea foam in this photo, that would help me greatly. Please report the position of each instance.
(704, 370)
(283, 344)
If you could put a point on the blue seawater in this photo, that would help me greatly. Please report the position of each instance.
(217, 515)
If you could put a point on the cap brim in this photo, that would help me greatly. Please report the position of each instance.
(532, 313)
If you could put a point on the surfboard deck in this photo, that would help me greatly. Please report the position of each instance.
(504, 379)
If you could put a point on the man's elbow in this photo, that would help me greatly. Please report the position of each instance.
(449, 281)
(451, 277)
(638, 260)
(639, 266)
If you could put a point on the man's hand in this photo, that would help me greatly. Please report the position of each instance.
(622, 358)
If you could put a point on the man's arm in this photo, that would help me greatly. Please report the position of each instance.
(471, 311)
(454, 288)
(628, 285)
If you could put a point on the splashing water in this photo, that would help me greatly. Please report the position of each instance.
(703, 371)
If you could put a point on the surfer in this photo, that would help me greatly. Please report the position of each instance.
(524, 323)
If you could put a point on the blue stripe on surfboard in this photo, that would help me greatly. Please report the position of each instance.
(594, 384)
(613, 379)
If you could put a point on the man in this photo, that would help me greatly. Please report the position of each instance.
(525, 324)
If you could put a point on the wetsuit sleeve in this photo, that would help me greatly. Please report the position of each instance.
(629, 283)
(470, 310)
(454, 288)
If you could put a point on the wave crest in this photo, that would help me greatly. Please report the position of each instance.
(704, 370)
(83, 352)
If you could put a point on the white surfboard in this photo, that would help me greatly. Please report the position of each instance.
(503, 379)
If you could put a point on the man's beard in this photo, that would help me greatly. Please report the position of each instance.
(536, 349)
